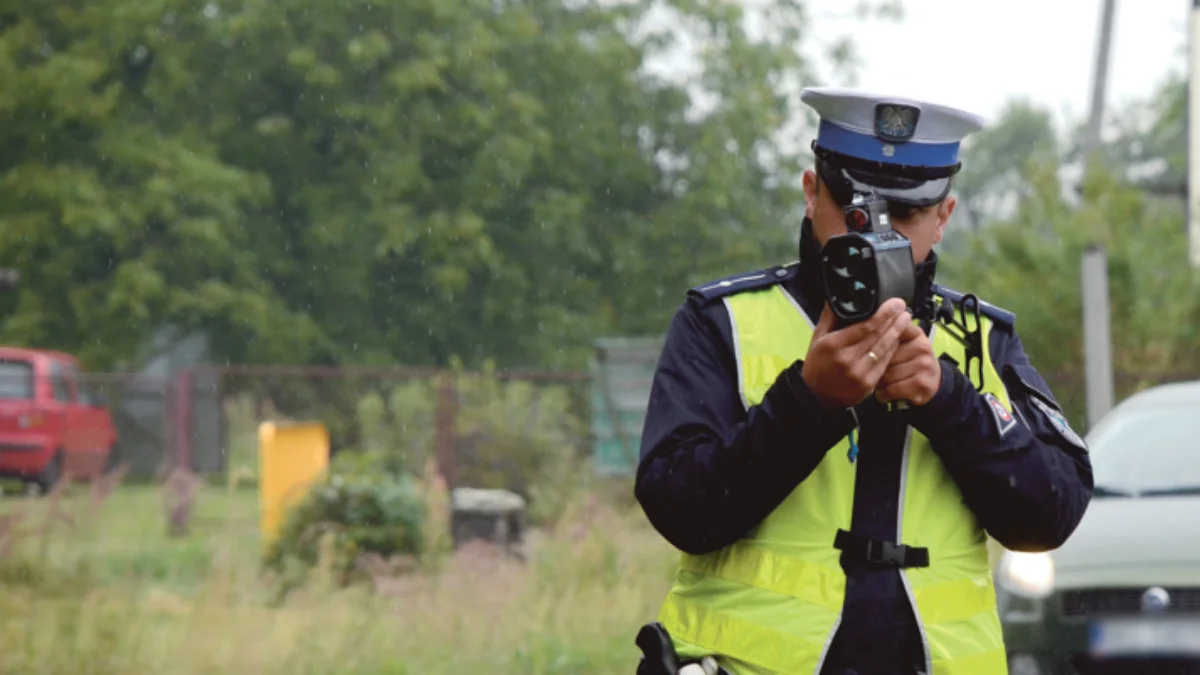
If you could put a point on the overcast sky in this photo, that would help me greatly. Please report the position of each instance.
(977, 55)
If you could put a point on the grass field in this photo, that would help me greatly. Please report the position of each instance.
(112, 593)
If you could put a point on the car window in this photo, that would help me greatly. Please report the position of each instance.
(82, 388)
(1147, 450)
(16, 380)
(60, 382)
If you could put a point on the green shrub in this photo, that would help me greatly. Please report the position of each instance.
(512, 435)
(343, 518)
(399, 433)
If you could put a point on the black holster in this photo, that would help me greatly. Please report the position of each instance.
(658, 652)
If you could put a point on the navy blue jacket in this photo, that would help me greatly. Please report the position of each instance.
(710, 470)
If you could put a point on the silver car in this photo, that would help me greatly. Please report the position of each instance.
(1123, 594)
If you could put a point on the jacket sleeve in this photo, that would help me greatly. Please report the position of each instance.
(710, 469)
(1024, 472)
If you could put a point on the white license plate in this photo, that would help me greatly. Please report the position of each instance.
(1160, 636)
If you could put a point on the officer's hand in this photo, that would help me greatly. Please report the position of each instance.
(842, 367)
(914, 374)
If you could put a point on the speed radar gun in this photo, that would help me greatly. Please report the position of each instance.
(869, 265)
(874, 151)
(873, 263)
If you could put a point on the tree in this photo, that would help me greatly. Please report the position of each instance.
(484, 180)
(374, 181)
(1148, 140)
(1130, 201)
(1029, 264)
(996, 161)
(119, 220)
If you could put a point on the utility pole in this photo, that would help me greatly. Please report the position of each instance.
(1097, 328)
(1091, 142)
(1097, 345)
(1193, 132)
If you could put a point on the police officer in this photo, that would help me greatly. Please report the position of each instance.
(822, 532)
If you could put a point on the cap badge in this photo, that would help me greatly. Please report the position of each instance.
(896, 123)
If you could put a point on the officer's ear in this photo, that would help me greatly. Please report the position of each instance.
(944, 211)
(811, 186)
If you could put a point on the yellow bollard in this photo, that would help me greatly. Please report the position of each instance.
(291, 455)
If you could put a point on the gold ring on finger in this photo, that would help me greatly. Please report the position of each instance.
(873, 357)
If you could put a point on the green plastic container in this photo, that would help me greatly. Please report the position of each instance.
(622, 372)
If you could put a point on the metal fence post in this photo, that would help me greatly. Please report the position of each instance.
(447, 411)
(183, 420)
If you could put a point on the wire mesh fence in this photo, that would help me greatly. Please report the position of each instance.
(140, 409)
(483, 429)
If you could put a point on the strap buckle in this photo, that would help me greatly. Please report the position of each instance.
(879, 552)
(885, 553)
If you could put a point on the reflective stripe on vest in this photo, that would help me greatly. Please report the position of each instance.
(771, 602)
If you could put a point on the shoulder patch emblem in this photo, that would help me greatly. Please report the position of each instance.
(1060, 423)
(1005, 420)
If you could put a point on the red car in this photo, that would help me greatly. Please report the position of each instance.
(49, 422)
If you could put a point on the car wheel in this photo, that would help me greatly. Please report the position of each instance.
(50, 474)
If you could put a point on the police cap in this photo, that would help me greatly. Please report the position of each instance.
(903, 150)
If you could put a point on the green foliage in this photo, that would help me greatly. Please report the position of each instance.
(1031, 227)
(381, 181)
(116, 209)
(508, 434)
(570, 603)
(998, 160)
(398, 435)
(348, 515)
(515, 435)
(1149, 139)
(1030, 264)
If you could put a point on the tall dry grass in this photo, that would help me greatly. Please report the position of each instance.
(115, 594)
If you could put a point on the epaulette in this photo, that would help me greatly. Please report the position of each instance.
(998, 315)
(746, 281)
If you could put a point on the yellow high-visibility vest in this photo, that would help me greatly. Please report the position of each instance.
(771, 602)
